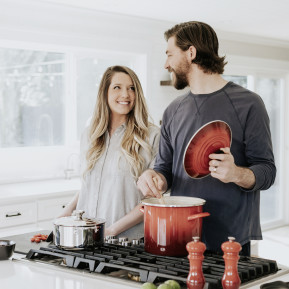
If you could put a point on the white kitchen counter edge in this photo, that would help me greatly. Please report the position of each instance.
(32, 190)
(16, 274)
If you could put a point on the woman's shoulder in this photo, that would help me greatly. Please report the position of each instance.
(154, 134)
(153, 129)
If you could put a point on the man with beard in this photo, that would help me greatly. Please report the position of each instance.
(232, 190)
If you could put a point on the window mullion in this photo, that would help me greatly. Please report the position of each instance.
(70, 105)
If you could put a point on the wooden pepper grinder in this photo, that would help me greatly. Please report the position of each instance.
(231, 249)
(196, 251)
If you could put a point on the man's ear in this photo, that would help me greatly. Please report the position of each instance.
(192, 52)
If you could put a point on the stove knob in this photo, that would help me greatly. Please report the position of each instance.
(135, 242)
(127, 243)
(114, 241)
(109, 237)
(122, 239)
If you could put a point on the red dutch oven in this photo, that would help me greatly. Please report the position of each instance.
(170, 226)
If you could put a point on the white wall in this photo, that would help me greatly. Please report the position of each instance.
(56, 27)
(51, 24)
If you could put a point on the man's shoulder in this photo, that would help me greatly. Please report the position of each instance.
(236, 90)
(242, 97)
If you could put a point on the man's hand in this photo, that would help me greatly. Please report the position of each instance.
(147, 185)
(222, 167)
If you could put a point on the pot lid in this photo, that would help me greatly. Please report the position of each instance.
(175, 201)
(207, 140)
(76, 220)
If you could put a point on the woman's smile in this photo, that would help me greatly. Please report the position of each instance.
(121, 95)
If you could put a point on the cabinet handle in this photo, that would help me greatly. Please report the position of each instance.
(63, 206)
(13, 215)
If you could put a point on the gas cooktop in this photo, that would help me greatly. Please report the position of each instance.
(132, 262)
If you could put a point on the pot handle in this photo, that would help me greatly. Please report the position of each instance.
(142, 209)
(196, 216)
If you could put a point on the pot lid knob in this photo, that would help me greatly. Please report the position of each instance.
(78, 214)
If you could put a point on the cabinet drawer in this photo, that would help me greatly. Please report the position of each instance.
(50, 209)
(18, 214)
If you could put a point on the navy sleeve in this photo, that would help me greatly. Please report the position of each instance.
(258, 146)
(164, 159)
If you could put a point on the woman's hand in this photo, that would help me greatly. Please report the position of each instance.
(134, 217)
(110, 231)
(70, 207)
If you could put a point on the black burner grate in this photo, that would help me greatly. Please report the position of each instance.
(151, 268)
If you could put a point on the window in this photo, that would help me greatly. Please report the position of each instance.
(31, 98)
(46, 98)
(241, 80)
(270, 91)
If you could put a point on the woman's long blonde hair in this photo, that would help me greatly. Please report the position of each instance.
(136, 134)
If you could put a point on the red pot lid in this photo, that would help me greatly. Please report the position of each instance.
(207, 140)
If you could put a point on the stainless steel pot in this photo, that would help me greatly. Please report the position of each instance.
(76, 232)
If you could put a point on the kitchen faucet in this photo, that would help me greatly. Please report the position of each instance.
(71, 166)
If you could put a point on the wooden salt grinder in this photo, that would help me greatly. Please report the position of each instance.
(196, 251)
(231, 249)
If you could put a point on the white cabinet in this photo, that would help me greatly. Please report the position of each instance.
(34, 205)
(18, 214)
(35, 213)
(49, 209)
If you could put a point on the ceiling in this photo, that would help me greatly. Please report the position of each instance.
(262, 18)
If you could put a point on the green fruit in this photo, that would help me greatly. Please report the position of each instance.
(148, 285)
(174, 284)
(164, 286)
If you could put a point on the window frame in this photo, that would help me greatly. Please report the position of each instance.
(15, 158)
(253, 68)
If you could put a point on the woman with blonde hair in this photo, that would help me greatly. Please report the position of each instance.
(118, 145)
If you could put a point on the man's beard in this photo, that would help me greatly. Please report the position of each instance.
(181, 80)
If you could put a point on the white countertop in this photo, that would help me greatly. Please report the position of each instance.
(27, 275)
(38, 188)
